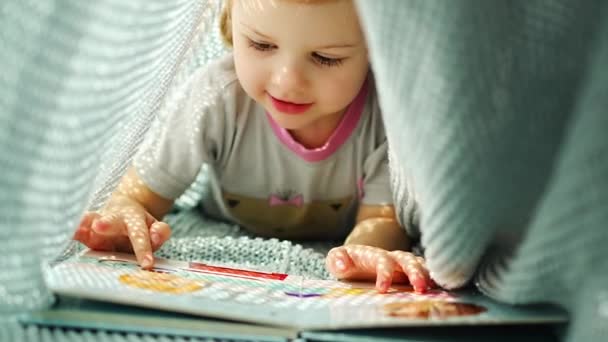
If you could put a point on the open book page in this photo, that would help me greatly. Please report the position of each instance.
(276, 299)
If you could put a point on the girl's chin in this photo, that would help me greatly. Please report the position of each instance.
(290, 125)
(290, 122)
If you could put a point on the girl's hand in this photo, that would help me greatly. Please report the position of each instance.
(359, 262)
(123, 226)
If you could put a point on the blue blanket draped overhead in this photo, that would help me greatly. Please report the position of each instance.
(496, 113)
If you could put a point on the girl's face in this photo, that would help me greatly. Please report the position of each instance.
(304, 62)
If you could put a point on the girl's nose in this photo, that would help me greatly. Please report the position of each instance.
(289, 77)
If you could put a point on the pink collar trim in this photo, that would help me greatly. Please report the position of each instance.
(343, 131)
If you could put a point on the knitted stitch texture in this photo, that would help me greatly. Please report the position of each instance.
(496, 113)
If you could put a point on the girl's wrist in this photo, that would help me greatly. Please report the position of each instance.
(379, 232)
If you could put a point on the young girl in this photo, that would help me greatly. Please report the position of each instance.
(290, 125)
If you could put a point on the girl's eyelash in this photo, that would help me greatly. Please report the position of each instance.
(326, 61)
(321, 60)
(260, 46)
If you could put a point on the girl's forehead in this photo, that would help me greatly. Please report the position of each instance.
(260, 8)
(261, 4)
(293, 1)
(325, 20)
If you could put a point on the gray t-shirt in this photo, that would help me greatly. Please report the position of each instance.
(261, 178)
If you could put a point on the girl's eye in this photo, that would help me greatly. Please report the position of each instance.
(326, 61)
(260, 46)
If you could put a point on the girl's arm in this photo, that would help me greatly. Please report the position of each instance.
(134, 188)
(377, 226)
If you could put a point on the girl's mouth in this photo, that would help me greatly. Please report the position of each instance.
(289, 107)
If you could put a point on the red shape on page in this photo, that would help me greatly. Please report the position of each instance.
(203, 268)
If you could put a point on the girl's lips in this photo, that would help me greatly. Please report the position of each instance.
(289, 107)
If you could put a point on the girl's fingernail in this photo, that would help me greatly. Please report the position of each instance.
(382, 285)
(101, 224)
(340, 265)
(419, 285)
(148, 261)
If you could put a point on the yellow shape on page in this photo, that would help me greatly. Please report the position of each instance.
(339, 292)
(161, 282)
(357, 291)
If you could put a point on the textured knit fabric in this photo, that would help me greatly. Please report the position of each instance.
(495, 114)
(79, 83)
(261, 178)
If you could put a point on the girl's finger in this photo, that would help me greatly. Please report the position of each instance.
(159, 234)
(431, 283)
(87, 219)
(82, 235)
(83, 231)
(109, 225)
(364, 257)
(339, 263)
(384, 273)
(414, 271)
(99, 242)
(140, 238)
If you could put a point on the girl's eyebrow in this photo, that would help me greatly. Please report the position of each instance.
(255, 31)
(339, 46)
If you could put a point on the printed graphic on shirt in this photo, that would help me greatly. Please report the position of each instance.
(286, 215)
(286, 198)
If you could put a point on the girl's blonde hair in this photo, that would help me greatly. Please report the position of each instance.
(226, 22)
(226, 19)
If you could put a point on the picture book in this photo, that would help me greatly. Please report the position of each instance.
(275, 300)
